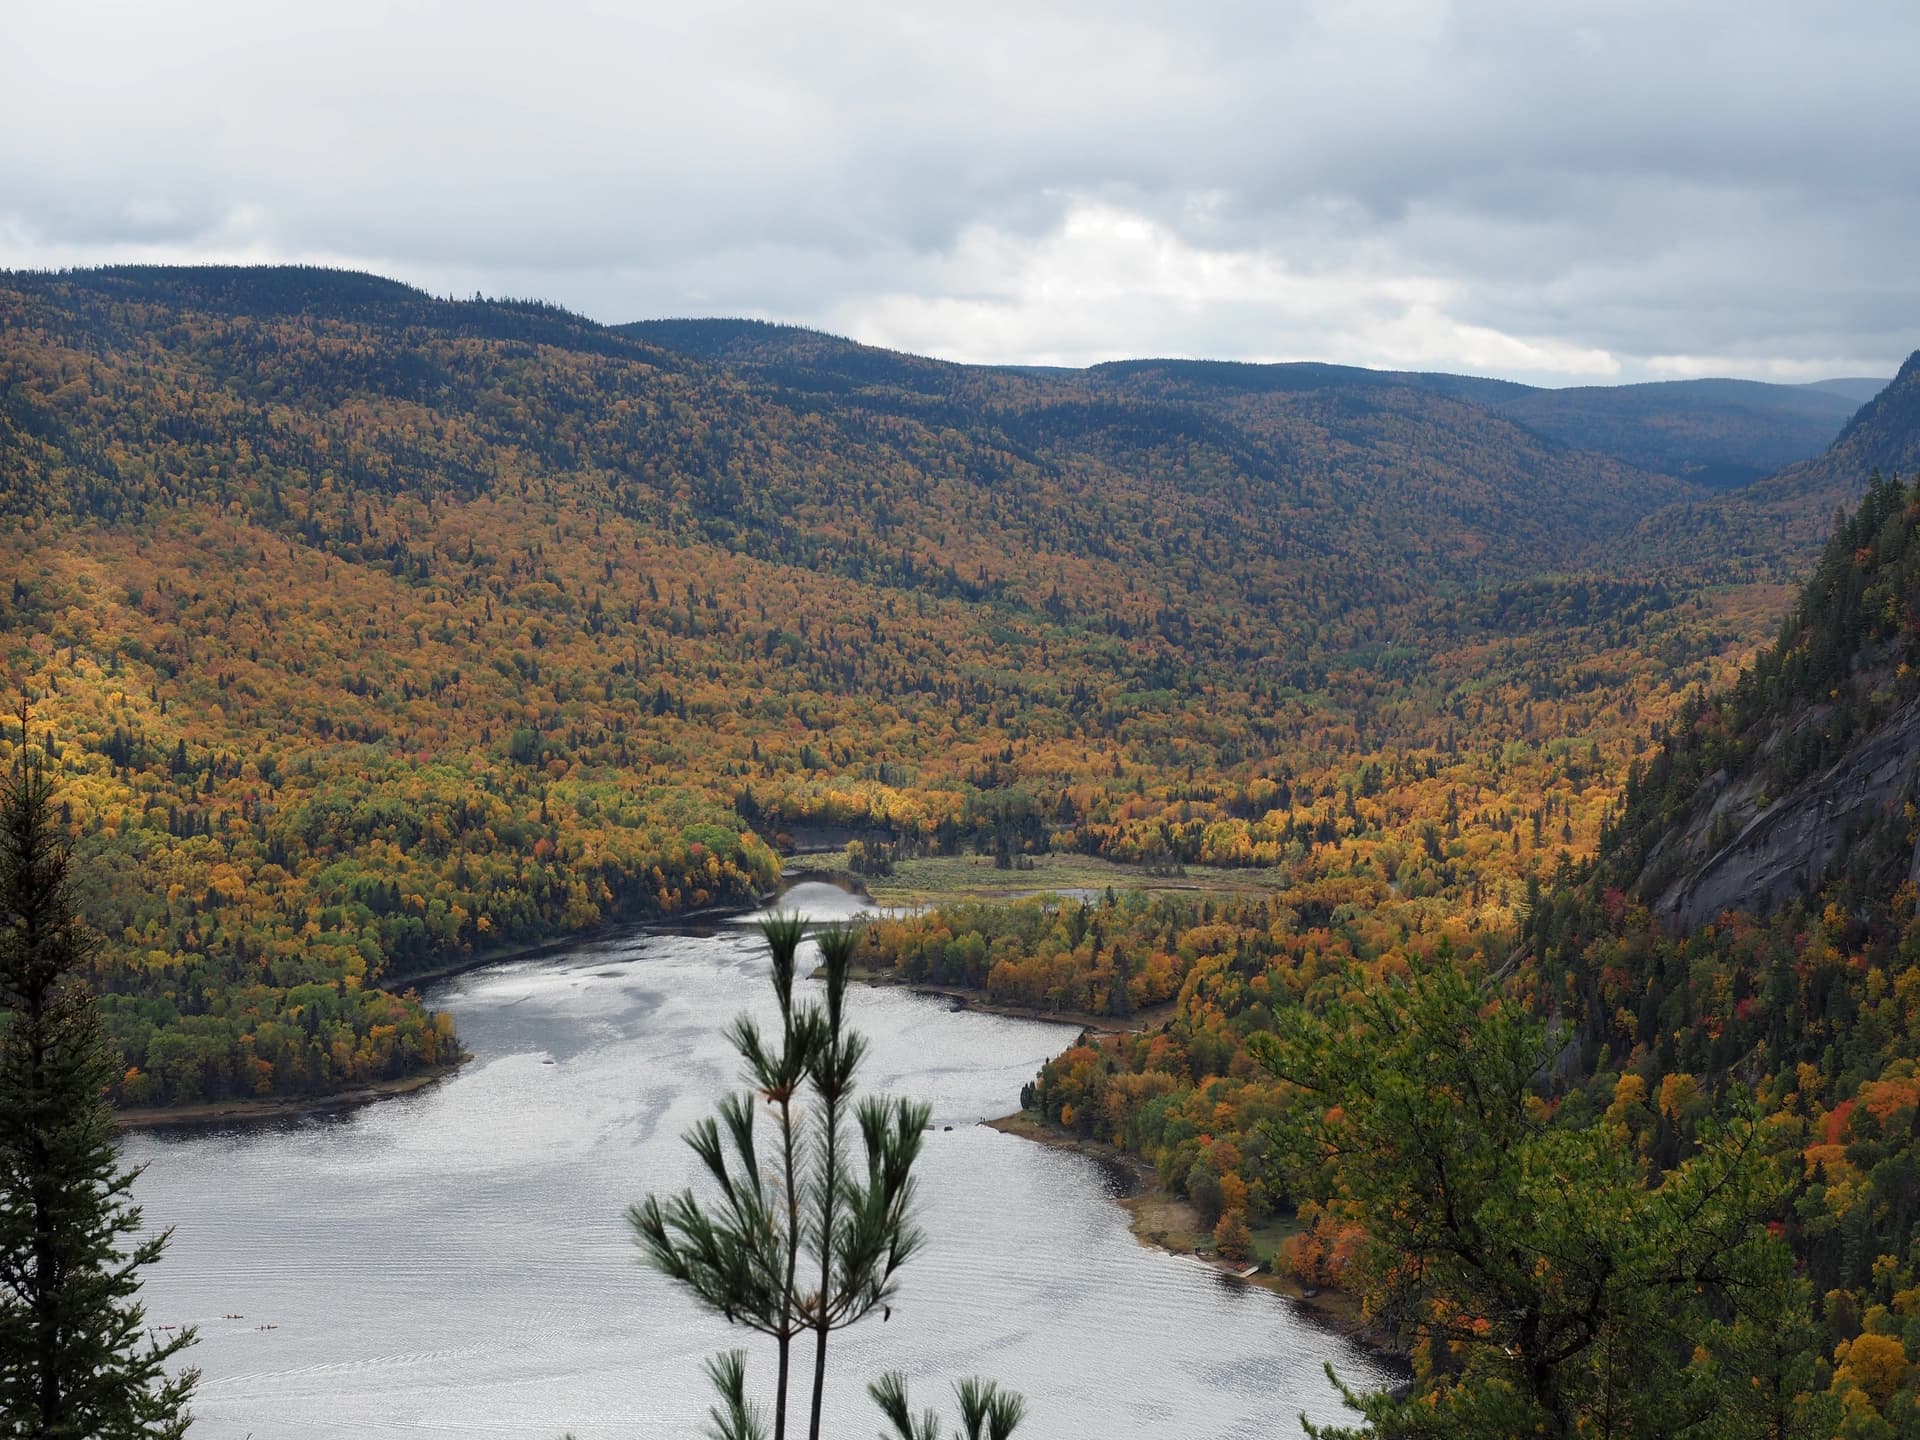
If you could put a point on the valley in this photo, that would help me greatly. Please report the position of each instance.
(491, 1289)
(375, 637)
(379, 630)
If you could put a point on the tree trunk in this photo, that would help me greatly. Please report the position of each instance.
(821, 1317)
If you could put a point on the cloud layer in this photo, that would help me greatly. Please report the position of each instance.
(1585, 191)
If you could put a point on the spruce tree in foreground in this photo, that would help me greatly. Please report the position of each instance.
(811, 1238)
(77, 1361)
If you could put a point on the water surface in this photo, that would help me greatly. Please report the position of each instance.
(454, 1263)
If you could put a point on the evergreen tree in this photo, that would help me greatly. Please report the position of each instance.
(741, 1259)
(849, 1217)
(77, 1361)
(986, 1411)
(1545, 1282)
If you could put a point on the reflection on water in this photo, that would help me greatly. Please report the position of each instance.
(454, 1263)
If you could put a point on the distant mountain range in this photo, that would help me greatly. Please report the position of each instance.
(1717, 434)
(1773, 527)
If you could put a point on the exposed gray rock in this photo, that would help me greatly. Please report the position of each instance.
(1785, 848)
(1913, 875)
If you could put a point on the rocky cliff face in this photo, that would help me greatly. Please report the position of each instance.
(1784, 846)
(1843, 681)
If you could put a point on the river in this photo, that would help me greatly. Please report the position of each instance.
(455, 1263)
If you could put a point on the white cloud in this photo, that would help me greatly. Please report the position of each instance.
(1468, 184)
(1108, 283)
(1784, 370)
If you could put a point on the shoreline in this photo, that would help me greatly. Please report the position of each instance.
(535, 949)
(966, 998)
(241, 1110)
(1163, 1221)
(244, 1111)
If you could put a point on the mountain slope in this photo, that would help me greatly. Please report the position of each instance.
(1883, 435)
(1747, 935)
(1856, 388)
(1810, 759)
(1714, 433)
(376, 631)
(1772, 529)
(1351, 461)
(1749, 927)
(425, 394)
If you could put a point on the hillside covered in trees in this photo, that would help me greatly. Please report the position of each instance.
(1774, 527)
(1744, 936)
(1714, 433)
(374, 630)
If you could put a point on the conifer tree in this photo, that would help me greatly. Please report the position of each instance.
(849, 1217)
(986, 1411)
(77, 1361)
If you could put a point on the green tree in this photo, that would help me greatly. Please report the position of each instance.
(851, 1219)
(1760, 1376)
(986, 1411)
(1546, 1285)
(862, 1232)
(77, 1361)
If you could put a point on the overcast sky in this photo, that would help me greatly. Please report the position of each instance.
(1564, 191)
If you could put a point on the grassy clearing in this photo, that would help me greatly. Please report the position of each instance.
(930, 879)
(1269, 1234)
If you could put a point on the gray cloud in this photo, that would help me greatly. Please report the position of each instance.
(1585, 190)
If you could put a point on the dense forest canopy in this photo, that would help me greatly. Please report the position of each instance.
(373, 630)
(1797, 1006)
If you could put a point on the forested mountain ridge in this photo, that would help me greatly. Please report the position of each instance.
(1883, 435)
(1398, 482)
(1797, 786)
(1749, 922)
(374, 630)
(1718, 434)
(1773, 528)
(1810, 762)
